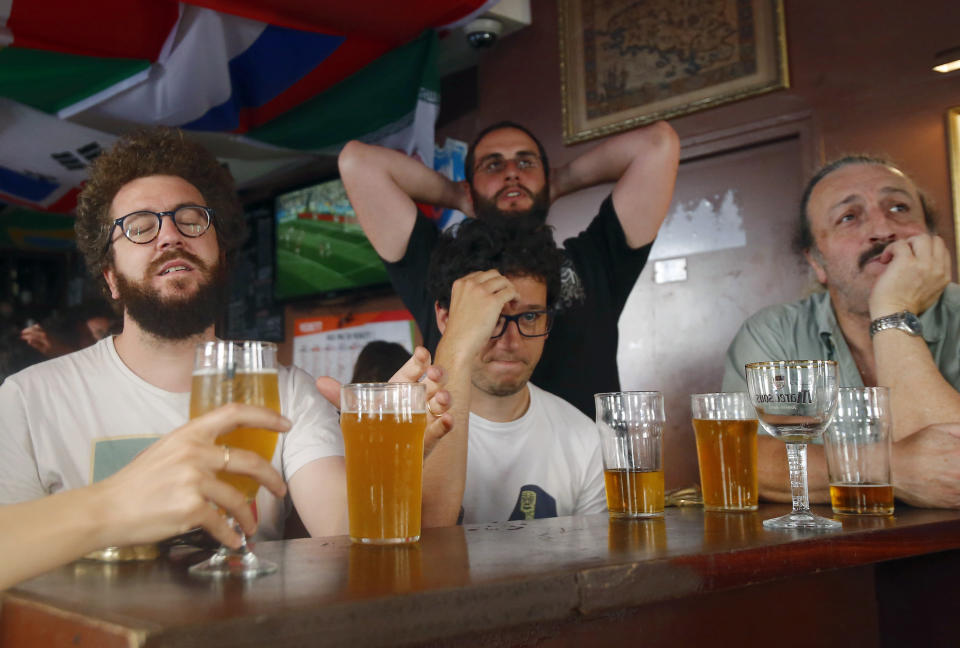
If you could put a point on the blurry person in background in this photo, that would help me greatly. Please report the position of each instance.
(379, 360)
(72, 328)
(16, 354)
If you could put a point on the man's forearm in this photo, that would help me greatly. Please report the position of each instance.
(608, 161)
(383, 186)
(919, 394)
(445, 469)
(775, 475)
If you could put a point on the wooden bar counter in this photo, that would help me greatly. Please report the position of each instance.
(690, 578)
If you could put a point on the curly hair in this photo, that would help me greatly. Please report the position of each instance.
(803, 238)
(146, 152)
(519, 246)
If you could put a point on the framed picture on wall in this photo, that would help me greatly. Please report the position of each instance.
(953, 142)
(625, 63)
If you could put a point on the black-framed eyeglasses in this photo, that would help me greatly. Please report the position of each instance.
(529, 323)
(143, 226)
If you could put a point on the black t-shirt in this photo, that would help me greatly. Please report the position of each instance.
(580, 354)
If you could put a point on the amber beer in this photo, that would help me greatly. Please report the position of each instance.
(211, 389)
(383, 426)
(634, 493)
(727, 454)
(862, 499)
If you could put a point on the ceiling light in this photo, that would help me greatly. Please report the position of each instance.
(948, 60)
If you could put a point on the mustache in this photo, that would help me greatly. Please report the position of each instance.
(874, 251)
(173, 255)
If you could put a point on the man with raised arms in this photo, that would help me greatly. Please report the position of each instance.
(508, 174)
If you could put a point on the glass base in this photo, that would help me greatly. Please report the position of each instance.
(385, 541)
(802, 520)
(227, 563)
(730, 509)
(623, 515)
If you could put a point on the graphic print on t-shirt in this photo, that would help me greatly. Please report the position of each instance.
(533, 503)
(110, 455)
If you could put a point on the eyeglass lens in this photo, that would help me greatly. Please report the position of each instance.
(529, 323)
(142, 227)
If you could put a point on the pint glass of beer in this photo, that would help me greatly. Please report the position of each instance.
(726, 429)
(383, 426)
(630, 425)
(237, 372)
(857, 446)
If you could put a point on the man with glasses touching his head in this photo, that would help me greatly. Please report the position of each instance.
(159, 223)
(509, 177)
(531, 454)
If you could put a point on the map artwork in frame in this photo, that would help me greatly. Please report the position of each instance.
(625, 63)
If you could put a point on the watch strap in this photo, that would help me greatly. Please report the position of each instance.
(904, 321)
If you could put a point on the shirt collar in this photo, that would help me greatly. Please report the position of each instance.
(931, 320)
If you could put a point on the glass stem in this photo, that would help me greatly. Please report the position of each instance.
(797, 461)
(243, 537)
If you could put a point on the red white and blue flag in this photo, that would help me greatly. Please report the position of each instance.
(265, 86)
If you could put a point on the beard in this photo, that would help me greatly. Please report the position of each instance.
(175, 317)
(486, 209)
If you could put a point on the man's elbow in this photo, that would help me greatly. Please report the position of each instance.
(351, 158)
(661, 140)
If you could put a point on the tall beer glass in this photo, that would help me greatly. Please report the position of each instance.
(237, 372)
(795, 402)
(630, 425)
(726, 429)
(383, 426)
(857, 446)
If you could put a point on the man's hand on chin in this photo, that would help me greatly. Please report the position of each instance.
(915, 277)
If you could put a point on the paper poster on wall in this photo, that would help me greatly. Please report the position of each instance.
(329, 345)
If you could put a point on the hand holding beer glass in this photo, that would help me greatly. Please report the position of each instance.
(630, 425)
(726, 429)
(383, 426)
(795, 401)
(236, 372)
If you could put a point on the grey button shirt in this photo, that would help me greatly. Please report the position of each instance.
(808, 330)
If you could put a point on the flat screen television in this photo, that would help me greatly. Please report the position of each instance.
(321, 250)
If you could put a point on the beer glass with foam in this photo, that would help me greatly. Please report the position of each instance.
(237, 372)
(383, 426)
(857, 445)
(726, 429)
(630, 425)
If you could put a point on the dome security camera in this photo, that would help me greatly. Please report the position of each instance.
(483, 32)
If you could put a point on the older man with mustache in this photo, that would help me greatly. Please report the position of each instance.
(889, 316)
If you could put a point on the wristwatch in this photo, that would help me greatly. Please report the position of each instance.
(904, 320)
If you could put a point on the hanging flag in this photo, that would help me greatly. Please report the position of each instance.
(265, 88)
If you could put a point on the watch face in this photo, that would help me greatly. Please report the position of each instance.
(912, 322)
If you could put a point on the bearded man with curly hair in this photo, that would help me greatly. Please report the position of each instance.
(159, 223)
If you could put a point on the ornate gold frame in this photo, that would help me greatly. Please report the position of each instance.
(953, 142)
(577, 127)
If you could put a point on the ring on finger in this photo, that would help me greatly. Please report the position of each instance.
(226, 456)
(431, 412)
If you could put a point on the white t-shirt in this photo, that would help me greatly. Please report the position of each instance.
(76, 419)
(546, 463)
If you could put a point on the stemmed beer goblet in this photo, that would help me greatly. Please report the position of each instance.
(795, 401)
(237, 372)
